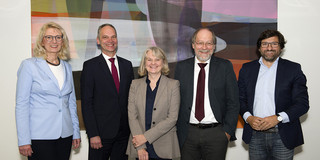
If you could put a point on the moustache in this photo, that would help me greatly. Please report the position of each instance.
(203, 50)
(271, 50)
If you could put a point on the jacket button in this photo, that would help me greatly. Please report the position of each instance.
(153, 122)
(154, 109)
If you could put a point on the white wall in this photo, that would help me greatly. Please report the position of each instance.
(15, 37)
(298, 20)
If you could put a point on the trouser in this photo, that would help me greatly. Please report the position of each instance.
(268, 146)
(115, 148)
(51, 149)
(205, 144)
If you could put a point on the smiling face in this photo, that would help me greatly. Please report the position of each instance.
(270, 53)
(108, 41)
(153, 64)
(52, 46)
(203, 45)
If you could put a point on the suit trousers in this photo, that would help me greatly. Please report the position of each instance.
(115, 148)
(51, 149)
(205, 144)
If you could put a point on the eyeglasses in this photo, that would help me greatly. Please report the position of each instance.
(50, 38)
(200, 44)
(266, 44)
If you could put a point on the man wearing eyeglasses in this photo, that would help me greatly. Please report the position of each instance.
(209, 104)
(273, 96)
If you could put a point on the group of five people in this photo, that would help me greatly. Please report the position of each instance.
(193, 116)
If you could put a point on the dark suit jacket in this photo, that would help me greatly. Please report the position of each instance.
(223, 94)
(103, 109)
(291, 97)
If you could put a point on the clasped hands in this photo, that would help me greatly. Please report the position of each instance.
(262, 124)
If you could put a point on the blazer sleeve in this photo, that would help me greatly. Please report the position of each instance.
(299, 95)
(172, 115)
(133, 115)
(87, 91)
(232, 101)
(73, 107)
(23, 90)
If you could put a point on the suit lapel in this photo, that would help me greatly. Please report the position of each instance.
(106, 70)
(162, 85)
(65, 70)
(280, 70)
(211, 81)
(142, 94)
(45, 68)
(253, 80)
(189, 75)
(123, 74)
(104, 66)
(67, 86)
(212, 72)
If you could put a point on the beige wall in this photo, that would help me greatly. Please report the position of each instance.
(299, 21)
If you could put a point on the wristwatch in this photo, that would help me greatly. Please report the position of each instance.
(279, 118)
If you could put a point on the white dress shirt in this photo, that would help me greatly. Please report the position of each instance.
(109, 63)
(208, 114)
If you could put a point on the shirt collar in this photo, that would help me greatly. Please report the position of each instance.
(148, 81)
(108, 57)
(273, 64)
(197, 61)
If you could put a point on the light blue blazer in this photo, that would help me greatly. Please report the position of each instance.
(43, 111)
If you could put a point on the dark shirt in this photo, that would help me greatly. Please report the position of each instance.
(151, 96)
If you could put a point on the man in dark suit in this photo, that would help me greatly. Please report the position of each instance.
(105, 83)
(209, 105)
(273, 95)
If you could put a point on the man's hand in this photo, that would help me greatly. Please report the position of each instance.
(268, 122)
(228, 136)
(25, 150)
(76, 143)
(254, 122)
(95, 142)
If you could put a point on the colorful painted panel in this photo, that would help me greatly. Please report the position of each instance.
(168, 24)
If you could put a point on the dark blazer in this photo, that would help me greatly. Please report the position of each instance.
(291, 97)
(223, 94)
(163, 131)
(103, 109)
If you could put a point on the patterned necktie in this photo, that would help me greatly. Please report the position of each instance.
(114, 74)
(200, 93)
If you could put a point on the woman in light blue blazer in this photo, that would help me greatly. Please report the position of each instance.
(46, 111)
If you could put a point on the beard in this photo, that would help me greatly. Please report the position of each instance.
(203, 57)
(270, 57)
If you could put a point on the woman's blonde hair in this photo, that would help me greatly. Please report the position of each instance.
(40, 51)
(157, 52)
